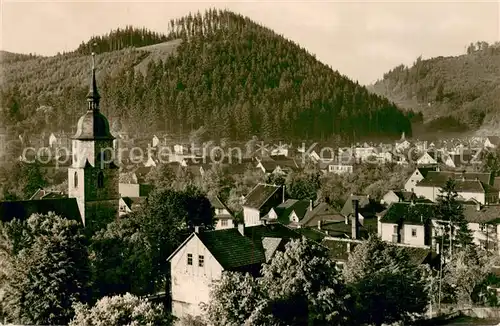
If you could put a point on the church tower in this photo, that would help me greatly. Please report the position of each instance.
(93, 176)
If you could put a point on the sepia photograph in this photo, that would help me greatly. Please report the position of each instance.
(249, 163)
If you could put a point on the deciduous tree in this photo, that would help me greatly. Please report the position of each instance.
(46, 269)
(466, 271)
(387, 286)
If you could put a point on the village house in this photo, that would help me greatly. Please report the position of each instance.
(430, 157)
(155, 141)
(397, 196)
(134, 184)
(222, 214)
(363, 153)
(469, 185)
(290, 213)
(418, 175)
(341, 164)
(282, 149)
(319, 215)
(407, 223)
(417, 224)
(483, 221)
(259, 201)
(128, 205)
(277, 165)
(491, 142)
(204, 255)
(402, 145)
(367, 207)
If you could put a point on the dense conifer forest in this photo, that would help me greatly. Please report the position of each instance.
(454, 93)
(217, 69)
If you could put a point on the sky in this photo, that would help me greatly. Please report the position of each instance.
(362, 39)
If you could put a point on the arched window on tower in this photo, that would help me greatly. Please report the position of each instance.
(75, 180)
(100, 180)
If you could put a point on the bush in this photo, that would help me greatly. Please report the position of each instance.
(121, 310)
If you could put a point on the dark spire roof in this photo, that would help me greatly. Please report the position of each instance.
(93, 96)
(93, 124)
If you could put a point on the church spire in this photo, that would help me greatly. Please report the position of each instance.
(93, 96)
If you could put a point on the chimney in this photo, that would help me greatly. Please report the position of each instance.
(241, 228)
(478, 206)
(283, 194)
(355, 219)
(319, 224)
(310, 205)
(196, 229)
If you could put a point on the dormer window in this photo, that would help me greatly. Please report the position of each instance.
(100, 180)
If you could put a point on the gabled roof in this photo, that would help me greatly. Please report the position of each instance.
(276, 230)
(231, 249)
(259, 195)
(363, 201)
(495, 140)
(322, 212)
(405, 195)
(473, 186)
(54, 195)
(432, 154)
(268, 166)
(416, 214)
(424, 170)
(217, 203)
(271, 245)
(338, 249)
(419, 256)
(38, 194)
(344, 230)
(134, 202)
(439, 178)
(64, 207)
(485, 214)
(300, 208)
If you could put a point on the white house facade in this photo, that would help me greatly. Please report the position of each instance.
(193, 268)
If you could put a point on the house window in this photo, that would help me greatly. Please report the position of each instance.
(100, 180)
(395, 229)
(190, 259)
(201, 260)
(75, 179)
(413, 232)
(223, 222)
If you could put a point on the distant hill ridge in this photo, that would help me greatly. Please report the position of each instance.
(458, 91)
(218, 69)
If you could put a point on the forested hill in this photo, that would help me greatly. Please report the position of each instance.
(218, 69)
(462, 90)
